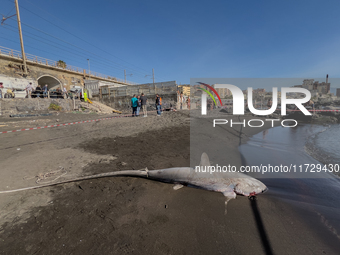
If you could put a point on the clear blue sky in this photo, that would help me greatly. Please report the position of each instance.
(183, 39)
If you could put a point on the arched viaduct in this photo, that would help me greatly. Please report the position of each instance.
(43, 71)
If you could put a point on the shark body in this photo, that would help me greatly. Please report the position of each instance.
(229, 184)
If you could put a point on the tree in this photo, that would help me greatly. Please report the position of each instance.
(61, 64)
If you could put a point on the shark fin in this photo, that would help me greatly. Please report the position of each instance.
(204, 160)
(229, 194)
(178, 186)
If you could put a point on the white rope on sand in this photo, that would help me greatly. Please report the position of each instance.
(44, 176)
(47, 175)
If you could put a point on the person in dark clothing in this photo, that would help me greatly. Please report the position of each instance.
(45, 91)
(158, 105)
(38, 90)
(1, 87)
(143, 103)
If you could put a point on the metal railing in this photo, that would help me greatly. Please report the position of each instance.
(148, 89)
(44, 61)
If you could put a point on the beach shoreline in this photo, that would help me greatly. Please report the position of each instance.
(133, 215)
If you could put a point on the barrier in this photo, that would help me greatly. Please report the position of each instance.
(72, 123)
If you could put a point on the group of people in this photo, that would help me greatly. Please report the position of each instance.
(38, 90)
(2, 91)
(138, 102)
(43, 90)
(29, 89)
(182, 100)
(9, 91)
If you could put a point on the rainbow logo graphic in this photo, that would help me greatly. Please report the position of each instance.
(208, 92)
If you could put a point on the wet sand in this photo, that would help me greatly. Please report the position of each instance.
(127, 215)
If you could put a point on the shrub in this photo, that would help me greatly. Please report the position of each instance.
(54, 107)
(61, 64)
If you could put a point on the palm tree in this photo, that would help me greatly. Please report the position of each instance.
(61, 64)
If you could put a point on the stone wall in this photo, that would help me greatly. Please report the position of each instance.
(119, 98)
(33, 105)
(123, 103)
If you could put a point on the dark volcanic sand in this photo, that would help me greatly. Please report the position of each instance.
(125, 215)
(110, 215)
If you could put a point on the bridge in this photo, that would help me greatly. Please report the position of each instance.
(45, 71)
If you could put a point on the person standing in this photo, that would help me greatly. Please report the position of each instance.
(181, 100)
(138, 105)
(143, 103)
(1, 87)
(158, 105)
(85, 95)
(65, 92)
(38, 91)
(45, 91)
(134, 104)
(29, 90)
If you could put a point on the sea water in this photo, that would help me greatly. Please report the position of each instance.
(314, 196)
(298, 148)
(325, 145)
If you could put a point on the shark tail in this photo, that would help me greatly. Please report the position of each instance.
(133, 173)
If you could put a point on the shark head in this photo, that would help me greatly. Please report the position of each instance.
(248, 186)
(242, 184)
(231, 183)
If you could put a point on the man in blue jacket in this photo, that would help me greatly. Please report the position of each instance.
(134, 104)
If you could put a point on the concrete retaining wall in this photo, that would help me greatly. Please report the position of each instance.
(33, 105)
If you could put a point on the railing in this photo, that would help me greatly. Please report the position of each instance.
(148, 89)
(44, 61)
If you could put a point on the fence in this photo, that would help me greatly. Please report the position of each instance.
(120, 97)
(149, 89)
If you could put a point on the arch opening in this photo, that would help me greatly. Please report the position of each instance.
(52, 82)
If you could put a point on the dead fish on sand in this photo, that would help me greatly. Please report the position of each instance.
(229, 184)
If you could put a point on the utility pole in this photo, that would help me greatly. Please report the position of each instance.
(130, 74)
(21, 40)
(88, 62)
(153, 79)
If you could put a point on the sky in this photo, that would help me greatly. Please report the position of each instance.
(182, 39)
